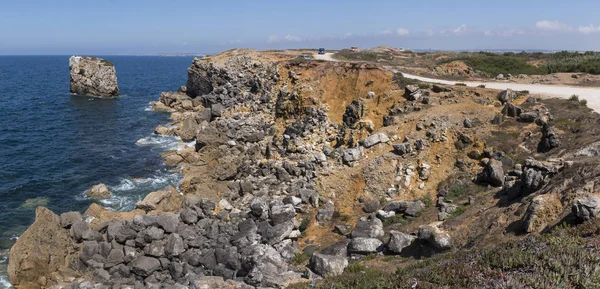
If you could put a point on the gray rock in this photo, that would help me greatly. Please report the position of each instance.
(114, 258)
(325, 265)
(92, 76)
(467, 123)
(68, 219)
(506, 96)
(153, 233)
(374, 139)
(354, 112)
(435, 237)
(155, 249)
(549, 139)
(372, 228)
(493, 173)
(145, 266)
(174, 245)
(89, 249)
(282, 214)
(403, 148)
(529, 116)
(326, 213)
(168, 222)
(399, 241)
(352, 155)
(145, 220)
(189, 216)
(363, 245)
(586, 207)
(371, 206)
(511, 110)
(414, 208)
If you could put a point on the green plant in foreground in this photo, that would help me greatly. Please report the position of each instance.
(300, 259)
(460, 84)
(574, 97)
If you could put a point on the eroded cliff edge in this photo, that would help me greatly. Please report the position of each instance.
(294, 157)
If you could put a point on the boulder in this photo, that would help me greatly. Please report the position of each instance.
(355, 111)
(549, 139)
(399, 241)
(529, 116)
(403, 148)
(372, 228)
(435, 237)
(144, 266)
(493, 173)
(42, 250)
(511, 110)
(69, 218)
(586, 207)
(92, 76)
(151, 201)
(364, 246)
(99, 192)
(506, 96)
(326, 265)
(542, 210)
(374, 139)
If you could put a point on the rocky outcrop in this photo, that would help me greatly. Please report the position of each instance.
(42, 256)
(542, 210)
(93, 76)
(99, 192)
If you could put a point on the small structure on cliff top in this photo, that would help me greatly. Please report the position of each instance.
(93, 76)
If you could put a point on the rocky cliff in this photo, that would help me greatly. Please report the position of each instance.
(301, 168)
(93, 76)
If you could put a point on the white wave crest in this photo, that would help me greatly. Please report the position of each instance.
(4, 284)
(165, 142)
(130, 191)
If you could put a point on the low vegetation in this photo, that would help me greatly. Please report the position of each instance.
(530, 63)
(568, 257)
(402, 81)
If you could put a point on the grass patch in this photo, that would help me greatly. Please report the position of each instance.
(348, 54)
(568, 125)
(460, 84)
(427, 201)
(300, 259)
(459, 211)
(397, 219)
(341, 217)
(481, 86)
(304, 224)
(402, 81)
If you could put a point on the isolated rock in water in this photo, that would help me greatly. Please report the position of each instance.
(99, 192)
(325, 265)
(586, 207)
(93, 76)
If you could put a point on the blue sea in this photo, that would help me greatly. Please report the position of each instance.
(54, 146)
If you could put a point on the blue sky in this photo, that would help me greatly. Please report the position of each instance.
(186, 26)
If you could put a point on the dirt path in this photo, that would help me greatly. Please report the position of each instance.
(592, 95)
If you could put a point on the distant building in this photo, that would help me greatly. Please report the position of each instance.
(354, 49)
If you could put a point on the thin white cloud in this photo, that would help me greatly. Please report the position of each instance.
(273, 38)
(552, 25)
(386, 32)
(588, 29)
(402, 31)
(460, 30)
(292, 38)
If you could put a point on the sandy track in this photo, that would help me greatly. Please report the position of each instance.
(591, 94)
(326, 57)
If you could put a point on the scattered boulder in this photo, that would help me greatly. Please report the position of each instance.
(435, 237)
(144, 266)
(399, 241)
(325, 265)
(506, 96)
(403, 148)
(493, 173)
(511, 110)
(542, 210)
(93, 76)
(363, 246)
(529, 116)
(586, 207)
(549, 139)
(374, 139)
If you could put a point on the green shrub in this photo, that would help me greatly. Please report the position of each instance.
(340, 216)
(397, 219)
(583, 102)
(574, 97)
(304, 224)
(424, 85)
(460, 84)
(300, 259)
(427, 201)
(481, 86)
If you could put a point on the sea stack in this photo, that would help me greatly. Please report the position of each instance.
(93, 76)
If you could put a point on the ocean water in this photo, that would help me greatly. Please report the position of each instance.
(54, 146)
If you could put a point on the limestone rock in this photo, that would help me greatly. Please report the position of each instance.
(42, 250)
(399, 241)
(325, 265)
(542, 210)
(99, 192)
(586, 207)
(493, 173)
(93, 76)
(151, 201)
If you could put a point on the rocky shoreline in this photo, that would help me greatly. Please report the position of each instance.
(291, 160)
